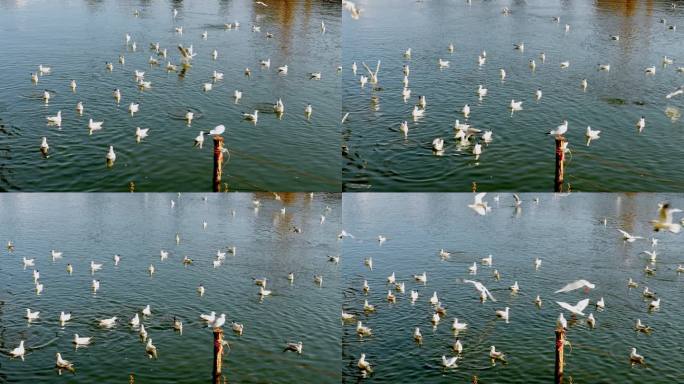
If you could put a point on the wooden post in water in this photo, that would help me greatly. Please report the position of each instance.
(560, 164)
(218, 162)
(560, 359)
(218, 354)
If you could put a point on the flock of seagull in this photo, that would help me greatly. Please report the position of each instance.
(466, 133)
(137, 320)
(158, 55)
(397, 290)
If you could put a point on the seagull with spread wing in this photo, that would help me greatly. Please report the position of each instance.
(664, 221)
(576, 285)
(484, 292)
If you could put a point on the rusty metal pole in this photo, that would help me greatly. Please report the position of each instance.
(560, 164)
(218, 354)
(560, 359)
(218, 162)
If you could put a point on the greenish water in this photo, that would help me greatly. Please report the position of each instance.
(89, 227)
(77, 38)
(520, 156)
(566, 233)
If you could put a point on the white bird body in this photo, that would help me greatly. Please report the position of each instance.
(108, 323)
(44, 148)
(55, 120)
(251, 116)
(30, 316)
(438, 144)
(456, 326)
(664, 221)
(94, 125)
(629, 238)
(237, 328)
(218, 322)
(654, 305)
(479, 205)
(466, 110)
(495, 355)
(484, 292)
(561, 322)
(577, 309)
(414, 296)
(264, 292)
(560, 130)
(210, 318)
(80, 341)
(151, 349)
(141, 133)
(635, 358)
(363, 330)
(64, 317)
(63, 364)
(199, 140)
(364, 365)
(404, 128)
(133, 108)
(19, 351)
(591, 134)
(111, 157)
(576, 285)
(457, 347)
(503, 314)
(450, 362)
(28, 262)
(477, 150)
(591, 321)
(481, 91)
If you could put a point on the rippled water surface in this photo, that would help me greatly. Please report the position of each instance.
(520, 157)
(77, 38)
(97, 226)
(566, 233)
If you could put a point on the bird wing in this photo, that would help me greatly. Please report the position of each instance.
(572, 286)
(517, 198)
(479, 197)
(581, 305)
(184, 51)
(625, 234)
(219, 129)
(566, 306)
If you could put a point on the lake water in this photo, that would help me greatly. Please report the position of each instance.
(567, 233)
(77, 38)
(520, 157)
(89, 227)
